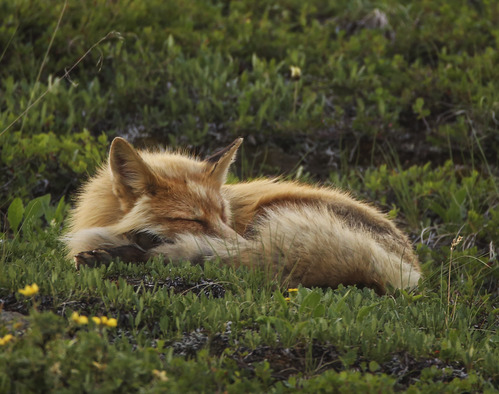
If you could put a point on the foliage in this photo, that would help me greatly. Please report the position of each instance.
(33, 166)
(166, 336)
(408, 75)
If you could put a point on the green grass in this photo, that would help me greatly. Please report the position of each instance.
(234, 329)
(402, 114)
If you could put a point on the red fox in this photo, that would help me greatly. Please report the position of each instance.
(143, 204)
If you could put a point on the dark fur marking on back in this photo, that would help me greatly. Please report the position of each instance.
(353, 218)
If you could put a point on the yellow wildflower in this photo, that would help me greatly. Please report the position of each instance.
(56, 368)
(80, 319)
(292, 291)
(29, 290)
(287, 299)
(6, 339)
(295, 72)
(455, 242)
(112, 322)
(105, 321)
(99, 366)
(161, 375)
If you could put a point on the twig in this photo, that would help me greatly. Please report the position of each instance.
(37, 80)
(112, 34)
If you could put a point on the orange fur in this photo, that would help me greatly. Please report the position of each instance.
(308, 235)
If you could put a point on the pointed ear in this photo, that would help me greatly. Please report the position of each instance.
(220, 162)
(130, 174)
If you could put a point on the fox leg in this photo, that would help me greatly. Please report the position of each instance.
(138, 247)
(99, 246)
(134, 253)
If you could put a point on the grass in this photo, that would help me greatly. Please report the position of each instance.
(401, 111)
(238, 330)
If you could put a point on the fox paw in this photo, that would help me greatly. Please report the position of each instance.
(128, 253)
(92, 258)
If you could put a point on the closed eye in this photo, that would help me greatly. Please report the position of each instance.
(196, 221)
(199, 222)
(187, 220)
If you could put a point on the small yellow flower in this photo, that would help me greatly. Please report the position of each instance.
(56, 368)
(80, 319)
(112, 322)
(455, 242)
(161, 375)
(290, 291)
(6, 339)
(99, 366)
(29, 291)
(83, 320)
(105, 321)
(295, 72)
(287, 299)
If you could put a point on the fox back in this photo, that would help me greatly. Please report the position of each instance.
(309, 235)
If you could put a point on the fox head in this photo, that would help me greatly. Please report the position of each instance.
(166, 194)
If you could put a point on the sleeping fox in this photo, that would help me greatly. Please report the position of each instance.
(143, 204)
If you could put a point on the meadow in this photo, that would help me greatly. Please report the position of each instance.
(395, 101)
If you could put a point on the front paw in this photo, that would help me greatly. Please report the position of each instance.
(92, 258)
(128, 253)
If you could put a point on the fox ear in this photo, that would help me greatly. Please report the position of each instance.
(221, 161)
(130, 174)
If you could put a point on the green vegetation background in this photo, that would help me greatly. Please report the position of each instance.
(397, 102)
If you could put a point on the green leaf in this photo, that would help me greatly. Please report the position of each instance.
(365, 310)
(319, 311)
(417, 107)
(279, 297)
(373, 366)
(37, 207)
(310, 301)
(15, 213)
(60, 210)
